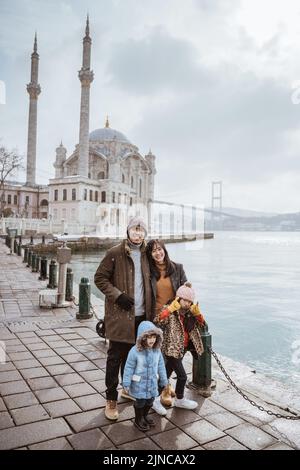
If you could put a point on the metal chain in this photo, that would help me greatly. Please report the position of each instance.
(261, 408)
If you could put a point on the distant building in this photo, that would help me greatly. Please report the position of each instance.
(103, 177)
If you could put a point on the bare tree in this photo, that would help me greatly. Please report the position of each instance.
(10, 161)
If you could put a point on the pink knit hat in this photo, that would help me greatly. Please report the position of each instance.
(186, 292)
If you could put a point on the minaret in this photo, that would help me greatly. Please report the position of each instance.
(61, 156)
(34, 90)
(86, 77)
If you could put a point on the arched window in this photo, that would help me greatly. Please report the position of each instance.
(91, 194)
(123, 178)
(103, 196)
(96, 196)
(64, 194)
(74, 194)
(101, 175)
(44, 202)
(131, 182)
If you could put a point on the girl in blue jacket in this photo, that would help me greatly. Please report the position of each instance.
(144, 370)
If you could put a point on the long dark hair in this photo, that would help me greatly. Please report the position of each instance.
(153, 268)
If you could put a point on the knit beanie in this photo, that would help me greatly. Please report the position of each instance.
(137, 221)
(186, 292)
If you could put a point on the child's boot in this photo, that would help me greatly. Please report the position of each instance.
(146, 417)
(139, 421)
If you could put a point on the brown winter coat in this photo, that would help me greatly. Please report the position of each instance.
(114, 276)
(173, 342)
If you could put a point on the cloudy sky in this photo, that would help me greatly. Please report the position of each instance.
(211, 86)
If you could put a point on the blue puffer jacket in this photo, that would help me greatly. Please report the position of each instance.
(145, 367)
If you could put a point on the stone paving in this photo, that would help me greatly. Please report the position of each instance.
(53, 392)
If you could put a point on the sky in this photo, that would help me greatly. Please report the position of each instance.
(211, 86)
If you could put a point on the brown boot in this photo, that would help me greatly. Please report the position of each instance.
(111, 411)
(166, 397)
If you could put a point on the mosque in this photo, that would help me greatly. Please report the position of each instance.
(99, 183)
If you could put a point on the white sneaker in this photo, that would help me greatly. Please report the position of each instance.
(158, 408)
(185, 403)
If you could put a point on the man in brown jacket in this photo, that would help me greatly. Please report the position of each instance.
(123, 276)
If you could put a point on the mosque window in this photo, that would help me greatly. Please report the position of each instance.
(123, 178)
(113, 197)
(85, 194)
(96, 196)
(27, 200)
(55, 195)
(101, 175)
(140, 189)
(9, 199)
(119, 198)
(131, 182)
(91, 195)
(73, 194)
(89, 175)
(15, 200)
(130, 201)
(64, 194)
(103, 196)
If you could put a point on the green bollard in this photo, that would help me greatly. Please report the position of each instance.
(25, 260)
(201, 379)
(44, 263)
(52, 275)
(84, 299)
(29, 258)
(69, 285)
(33, 262)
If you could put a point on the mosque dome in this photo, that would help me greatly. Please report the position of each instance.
(107, 133)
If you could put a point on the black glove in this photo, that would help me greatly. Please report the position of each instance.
(125, 301)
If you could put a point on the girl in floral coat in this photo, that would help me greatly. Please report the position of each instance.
(182, 322)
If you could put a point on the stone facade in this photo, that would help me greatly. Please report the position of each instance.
(119, 178)
(26, 201)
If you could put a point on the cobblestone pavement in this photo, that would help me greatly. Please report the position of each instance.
(52, 388)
